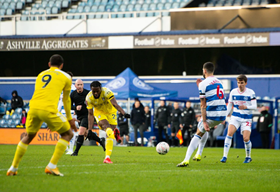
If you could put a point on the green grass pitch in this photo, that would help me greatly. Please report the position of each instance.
(141, 169)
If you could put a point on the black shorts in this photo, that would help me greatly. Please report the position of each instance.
(83, 121)
(123, 131)
(175, 127)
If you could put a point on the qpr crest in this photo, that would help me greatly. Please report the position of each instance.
(140, 84)
(116, 83)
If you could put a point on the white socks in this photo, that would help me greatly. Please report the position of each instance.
(248, 147)
(227, 145)
(202, 143)
(52, 166)
(193, 145)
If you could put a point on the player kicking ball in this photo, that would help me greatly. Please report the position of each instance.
(243, 101)
(105, 106)
(213, 109)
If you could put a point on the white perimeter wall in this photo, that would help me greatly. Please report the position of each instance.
(50, 27)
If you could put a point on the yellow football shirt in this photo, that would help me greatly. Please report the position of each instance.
(103, 103)
(48, 87)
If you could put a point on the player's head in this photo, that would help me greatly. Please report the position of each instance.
(176, 105)
(79, 85)
(95, 87)
(137, 104)
(56, 61)
(162, 103)
(146, 109)
(208, 69)
(188, 104)
(241, 82)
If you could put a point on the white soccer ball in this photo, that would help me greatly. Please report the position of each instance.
(162, 148)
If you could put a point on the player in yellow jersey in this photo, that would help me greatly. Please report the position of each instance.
(43, 108)
(102, 101)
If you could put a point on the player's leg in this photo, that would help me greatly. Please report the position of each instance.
(141, 130)
(70, 147)
(233, 126)
(173, 130)
(57, 122)
(135, 127)
(201, 146)
(80, 140)
(246, 131)
(104, 125)
(33, 124)
(193, 145)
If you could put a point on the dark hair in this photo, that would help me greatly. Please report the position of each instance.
(95, 84)
(242, 78)
(70, 73)
(56, 60)
(209, 67)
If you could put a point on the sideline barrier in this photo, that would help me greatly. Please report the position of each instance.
(43, 137)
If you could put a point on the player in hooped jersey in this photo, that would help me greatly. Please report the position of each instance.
(243, 101)
(213, 109)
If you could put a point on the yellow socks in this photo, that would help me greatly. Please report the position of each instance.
(21, 148)
(58, 152)
(109, 142)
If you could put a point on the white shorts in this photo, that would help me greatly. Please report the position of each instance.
(210, 122)
(245, 124)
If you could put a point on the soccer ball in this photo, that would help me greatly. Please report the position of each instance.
(162, 148)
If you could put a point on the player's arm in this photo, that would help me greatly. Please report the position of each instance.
(116, 105)
(229, 108)
(203, 113)
(90, 119)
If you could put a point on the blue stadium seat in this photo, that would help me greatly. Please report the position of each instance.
(148, 1)
(129, 7)
(264, 2)
(175, 5)
(86, 9)
(65, 4)
(228, 3)
(118, 2)
(9, 11)
(96, 2)
(44, 4)
(93, 8)
(18, 111)
(150, 14)
(115, 8)
(58, 4)
(103, 2)
(29, 1)
(182, 4)
(105, 16)
(5, 5)
(167, 6)
(120, 15)
(16, 116)
(91, 16)
(122, 8)
(126, 2)
(51, 3)
(255, 2)
(2, 109)
(80, 9)
(101, 8)
(113, 16)
(24, 17)
(152, 6)
(145, 7)
(98, 16)
(137, 7)
(71, 16)
(165, 14)
(11, 123)
(160, 1)
(82, 4)
(55, 10)
(142, 14)
(44, 125)
(157, 14)
(246, 2)
(3, 123)
(17, 122)
(128, 15)
(12, 5)
(48, 10)
(132, 2)
(108, 7)
(160, 6)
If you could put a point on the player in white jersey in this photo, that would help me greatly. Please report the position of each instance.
(243, 100)
(70, 147)
(213, 108)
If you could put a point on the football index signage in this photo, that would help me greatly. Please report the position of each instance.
(53, 44)
(205, 40)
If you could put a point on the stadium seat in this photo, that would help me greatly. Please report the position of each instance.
(18, 111)
(11, 123)
(12, 6)
(51, 3)
(86, 9)
(167, 6)
(17, 122)
(160, 6)
(118, 2)
(125, 2)
(152, 6)
(246, 2)
(129, 7)
(91, 16)
(255, 2)
(120, 15)
(137, 7)
(105, 16)
(165, 14)
(150, 14)
(147, 1)
(103, 2)
(2, 108)
(58, 4)
(264, 2)
(159, 1)
(9, 11)
(122, 8)
(96, 2)
(142, 14)
(16, 116)
(65, 4)
(70, 12)
(128, 15)
(5, 5)
(228, 3)
(3, 123)
(93, 8)
(98, 16)
(183, 4)
(175, 5)
(115, 8)
(113, 16)
(132, 2)
(24, 17)
(29, 1)
(101, 8)
(44, 125)
(145, 7)
(80, 9)
(55, 10)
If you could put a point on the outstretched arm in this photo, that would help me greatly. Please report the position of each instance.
(116, 105)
